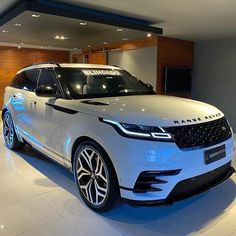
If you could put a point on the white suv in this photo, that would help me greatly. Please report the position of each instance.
(118, 137)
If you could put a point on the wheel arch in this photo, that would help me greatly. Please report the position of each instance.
(76, 143)
(4, 111)
(82, 139)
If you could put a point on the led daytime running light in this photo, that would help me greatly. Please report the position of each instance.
(154, 135)
(126, 131)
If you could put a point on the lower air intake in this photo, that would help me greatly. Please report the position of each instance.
(147, 179)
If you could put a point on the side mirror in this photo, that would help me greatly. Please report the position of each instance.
(149, 86)
(45, 91)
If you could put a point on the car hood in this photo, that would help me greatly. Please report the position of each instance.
(150, 110)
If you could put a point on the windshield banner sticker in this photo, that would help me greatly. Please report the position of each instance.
(101, 72)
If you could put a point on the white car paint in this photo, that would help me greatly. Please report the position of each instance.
(54, 133)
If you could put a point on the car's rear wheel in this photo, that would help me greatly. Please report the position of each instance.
(95, 177)
(9, 133)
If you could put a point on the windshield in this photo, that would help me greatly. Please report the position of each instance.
(89, 83)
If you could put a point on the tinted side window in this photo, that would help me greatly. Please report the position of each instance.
(77, 79)
(29, 80)
(26, 80)
(16, 81)
(48, 77)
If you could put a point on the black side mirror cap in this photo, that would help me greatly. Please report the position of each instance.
(45, 91)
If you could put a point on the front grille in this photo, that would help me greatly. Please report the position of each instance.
(201, 135)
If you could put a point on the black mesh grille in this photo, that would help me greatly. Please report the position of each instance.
(201, 135)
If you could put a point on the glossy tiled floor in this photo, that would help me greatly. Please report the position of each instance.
(39, 198)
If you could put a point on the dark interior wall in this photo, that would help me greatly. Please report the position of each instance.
(214, 75)
(13, 59)
(172, 52)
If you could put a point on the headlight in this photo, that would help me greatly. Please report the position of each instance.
(139, 131)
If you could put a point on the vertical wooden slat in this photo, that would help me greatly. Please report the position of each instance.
(97, 58)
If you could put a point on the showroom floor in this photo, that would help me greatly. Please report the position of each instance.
(38, 197)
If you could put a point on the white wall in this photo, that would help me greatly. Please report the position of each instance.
(214, 75)
(142, 63)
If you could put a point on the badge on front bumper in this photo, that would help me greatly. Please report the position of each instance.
(215, 154)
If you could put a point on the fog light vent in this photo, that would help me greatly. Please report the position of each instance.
(147, 179)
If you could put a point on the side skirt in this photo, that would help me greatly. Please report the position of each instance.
(48, 153)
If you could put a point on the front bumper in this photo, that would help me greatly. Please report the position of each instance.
(131, 157)
(192, 186)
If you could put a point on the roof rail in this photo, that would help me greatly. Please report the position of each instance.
(42, 63)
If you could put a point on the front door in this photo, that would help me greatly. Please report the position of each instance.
(46, 121)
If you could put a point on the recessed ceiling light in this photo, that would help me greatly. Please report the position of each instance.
(83, 23)
(60, 37)
(119, 30)
(89, 46)
(149, 35)
(105, 42)
(17, 24)
(5, 31)
(36, 15)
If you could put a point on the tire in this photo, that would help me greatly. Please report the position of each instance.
(9, 133)
(95, 177)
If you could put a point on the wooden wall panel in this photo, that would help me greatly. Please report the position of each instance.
(96, 54)
(97, 58)
(172, 52)
(125, 45)
(13, 59)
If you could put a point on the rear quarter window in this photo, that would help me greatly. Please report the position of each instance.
(16, 80)
(26, 80)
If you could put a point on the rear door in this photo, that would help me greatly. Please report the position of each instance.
(21, 101)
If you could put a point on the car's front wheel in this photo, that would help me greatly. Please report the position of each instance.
(95, 177)
(9, 133)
